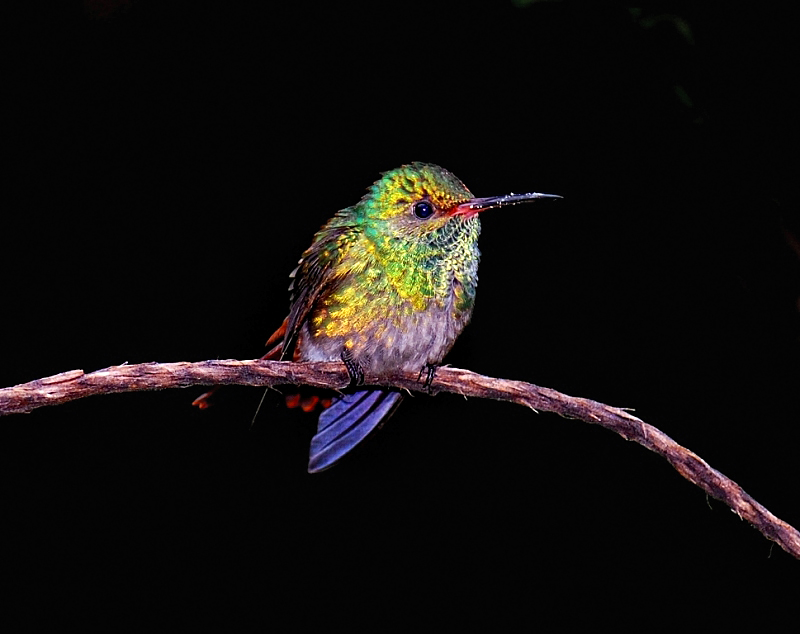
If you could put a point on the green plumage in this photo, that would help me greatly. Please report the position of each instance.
(387, 285)
(390, 288)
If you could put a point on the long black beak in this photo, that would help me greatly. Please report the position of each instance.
(482, 204)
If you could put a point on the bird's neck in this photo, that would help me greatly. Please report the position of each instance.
(428, 269)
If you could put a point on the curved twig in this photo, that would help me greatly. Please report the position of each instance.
(75, 384)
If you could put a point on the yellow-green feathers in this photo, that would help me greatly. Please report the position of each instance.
(380, 276)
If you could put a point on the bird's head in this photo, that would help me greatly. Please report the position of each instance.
(417, 200)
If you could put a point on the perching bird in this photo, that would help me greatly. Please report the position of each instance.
(387, 284)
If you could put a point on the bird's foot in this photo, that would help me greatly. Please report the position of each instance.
(429, 369)
(353, 369)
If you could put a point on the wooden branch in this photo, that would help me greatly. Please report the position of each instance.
(75, 384)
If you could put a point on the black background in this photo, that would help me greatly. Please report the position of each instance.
(168, 163)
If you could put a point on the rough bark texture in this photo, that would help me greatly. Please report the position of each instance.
(75, 384)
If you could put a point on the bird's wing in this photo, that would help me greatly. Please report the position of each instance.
(318, 269)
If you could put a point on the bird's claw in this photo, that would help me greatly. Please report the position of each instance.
(430, 372)
(353, 369)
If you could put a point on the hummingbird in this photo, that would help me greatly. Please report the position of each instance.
(386, 285)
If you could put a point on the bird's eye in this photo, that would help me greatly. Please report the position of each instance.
(423, 209)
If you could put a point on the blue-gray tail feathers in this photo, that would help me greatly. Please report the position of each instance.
(349, 419)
